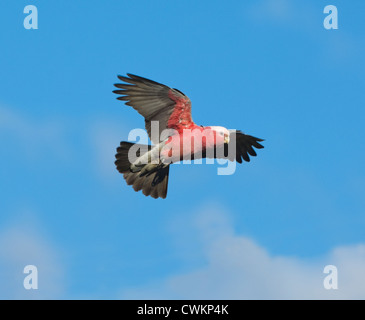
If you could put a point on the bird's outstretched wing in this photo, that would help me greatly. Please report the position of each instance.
(240, 147)
(155, 102)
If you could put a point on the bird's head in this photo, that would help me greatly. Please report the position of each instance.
(221, 135)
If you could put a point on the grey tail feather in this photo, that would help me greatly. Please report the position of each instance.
(153, 184)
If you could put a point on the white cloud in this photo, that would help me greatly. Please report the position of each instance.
(305, 18)
(33, 136)
(272, 10)
(237, 267)
(105, 137)
(23, 244)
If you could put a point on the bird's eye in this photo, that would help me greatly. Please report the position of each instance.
(221, 133)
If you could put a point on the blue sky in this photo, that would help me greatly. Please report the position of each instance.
(266, 67)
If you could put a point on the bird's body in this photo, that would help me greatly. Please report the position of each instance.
(176, 137)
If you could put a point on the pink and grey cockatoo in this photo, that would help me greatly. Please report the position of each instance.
(148, 170)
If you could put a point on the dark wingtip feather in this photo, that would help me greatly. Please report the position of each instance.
(245, 145)
(122, 78)
(258, 146)
(245, 157)
(118, 91)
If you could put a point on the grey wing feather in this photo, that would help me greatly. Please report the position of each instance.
(150, 98)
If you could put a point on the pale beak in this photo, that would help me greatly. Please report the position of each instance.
(226, 138)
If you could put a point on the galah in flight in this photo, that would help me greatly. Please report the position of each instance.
(147, 168)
